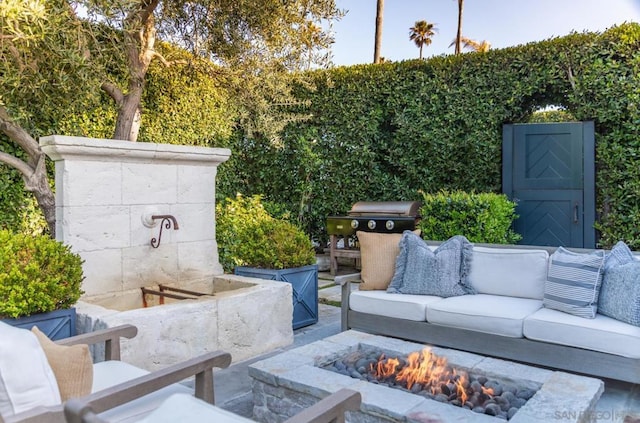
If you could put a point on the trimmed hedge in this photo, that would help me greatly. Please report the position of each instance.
(248, 235)
(383, 132)
(480, 217)
(37, 275)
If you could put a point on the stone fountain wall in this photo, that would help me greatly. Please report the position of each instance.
(106, 191)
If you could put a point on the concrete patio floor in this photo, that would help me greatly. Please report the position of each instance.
(620, 401)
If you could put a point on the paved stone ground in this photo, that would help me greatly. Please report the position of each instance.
(233, 385)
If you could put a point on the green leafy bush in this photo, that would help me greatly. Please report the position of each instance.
(37, 275)
(248, 235)
(481, 217)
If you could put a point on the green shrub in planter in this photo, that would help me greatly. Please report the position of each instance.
(248, 235)
(480, 217)
(37, 275)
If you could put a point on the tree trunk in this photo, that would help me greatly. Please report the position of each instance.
(34, 171)
(129, 118)
(378, 39)
(38, 183)
(139, 40)
(459, 33)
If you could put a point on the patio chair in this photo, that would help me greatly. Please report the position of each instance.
(120, 391)
(186, 408)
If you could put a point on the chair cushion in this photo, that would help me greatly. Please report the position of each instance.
(187, 408)
(378, 254)
(110, 373)
(72, 366)
(442, 272)
(483, 313)
(602, 333)
(573, 283)
(26, 378)
(509, 271)
(400, 306)
(620, 293)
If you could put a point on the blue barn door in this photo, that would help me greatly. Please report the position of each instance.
(549, 170)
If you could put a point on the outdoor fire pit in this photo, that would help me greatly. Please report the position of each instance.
(288, 382)
(431, 376)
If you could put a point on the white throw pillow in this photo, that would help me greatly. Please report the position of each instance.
(26, 379)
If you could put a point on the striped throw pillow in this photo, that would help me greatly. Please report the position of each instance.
(573, 282)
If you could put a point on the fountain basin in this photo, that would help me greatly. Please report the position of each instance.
(241, 315)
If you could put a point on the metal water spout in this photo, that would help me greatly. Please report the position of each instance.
(167, 222)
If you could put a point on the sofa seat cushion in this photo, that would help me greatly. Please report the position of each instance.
(400, 306)
(602, 333)
(187, 408)
(493, 314)
(493, 269)
(110, 373)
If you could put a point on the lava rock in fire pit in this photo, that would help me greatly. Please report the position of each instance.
(430, 376)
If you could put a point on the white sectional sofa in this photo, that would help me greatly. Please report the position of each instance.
(505, 318)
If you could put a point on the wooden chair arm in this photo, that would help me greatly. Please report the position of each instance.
(201, 367)
(343, 279)
(110, 337)
(330, 409)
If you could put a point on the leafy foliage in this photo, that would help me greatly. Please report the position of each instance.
(480, 217)
(248, 235)
(383, 132)
(37, 275)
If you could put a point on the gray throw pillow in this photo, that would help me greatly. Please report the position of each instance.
(573, 282)
(620, 254)
(442, 272)
(620, 293)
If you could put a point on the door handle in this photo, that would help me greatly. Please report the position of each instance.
(575, 213)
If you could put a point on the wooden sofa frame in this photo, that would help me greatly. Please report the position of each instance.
(516, 349)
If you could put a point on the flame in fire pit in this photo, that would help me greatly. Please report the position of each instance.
(431, 376)
(428, 370)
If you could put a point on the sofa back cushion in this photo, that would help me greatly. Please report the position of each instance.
(508, 271)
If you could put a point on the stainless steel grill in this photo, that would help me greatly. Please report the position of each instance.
(369, 216)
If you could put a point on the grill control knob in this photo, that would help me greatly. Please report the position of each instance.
(354, 223)
(389, 225)
(371, 224)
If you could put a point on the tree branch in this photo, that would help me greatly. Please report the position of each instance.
(113, 91)
(17, 164)
(18, 135)
(147, 9)
(168, 63)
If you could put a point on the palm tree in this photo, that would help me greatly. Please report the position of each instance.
(482, 47)
(459, 32)
(421, 34)
(378, 40)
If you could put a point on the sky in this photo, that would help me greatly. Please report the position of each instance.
(503, 23)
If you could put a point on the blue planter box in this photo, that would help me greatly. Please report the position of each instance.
(57, 324)
(304, 281)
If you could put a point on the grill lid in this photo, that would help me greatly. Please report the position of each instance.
(386, 208)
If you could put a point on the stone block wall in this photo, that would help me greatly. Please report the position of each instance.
(106, 190)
